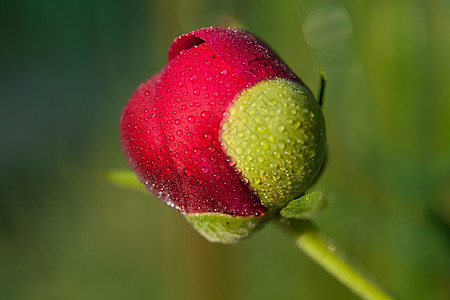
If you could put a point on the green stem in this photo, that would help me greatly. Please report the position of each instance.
(323, 250)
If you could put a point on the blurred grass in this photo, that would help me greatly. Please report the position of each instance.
(67, 69)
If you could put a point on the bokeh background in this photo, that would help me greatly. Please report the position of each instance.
(68, 68)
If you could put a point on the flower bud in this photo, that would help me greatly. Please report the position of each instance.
(226, 133)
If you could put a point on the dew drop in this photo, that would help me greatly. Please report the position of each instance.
(196, 92)
(193, 78)
(197, 151)
(169, 170)
(187, 172)
(211, 149)
(208, 136)
(191, 119)
(179, 132)
(331, 244)
(206, 114)
(224, 72)
(160, 157)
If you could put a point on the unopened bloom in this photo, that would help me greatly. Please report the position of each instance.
(226, 133)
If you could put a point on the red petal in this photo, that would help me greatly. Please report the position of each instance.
(245, 54)
(145, 144)
(188, 99)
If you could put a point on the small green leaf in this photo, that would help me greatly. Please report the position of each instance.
(305, 207)
(224, 229)
(123, 178)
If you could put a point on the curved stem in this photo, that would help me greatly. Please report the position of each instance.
(324, 251)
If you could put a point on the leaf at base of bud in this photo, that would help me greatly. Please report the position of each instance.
(225, 229)
(305, 207)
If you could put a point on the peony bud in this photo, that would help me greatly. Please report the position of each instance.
(226, 133)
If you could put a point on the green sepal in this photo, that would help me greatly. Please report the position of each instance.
(275, 134)
(124, 179)
(305, 207)
(323, 81)
(224, 229)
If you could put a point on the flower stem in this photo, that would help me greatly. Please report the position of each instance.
(324, 251)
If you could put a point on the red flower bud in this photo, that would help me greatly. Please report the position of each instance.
(172, 127)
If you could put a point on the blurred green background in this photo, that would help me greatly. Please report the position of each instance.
(67, 69)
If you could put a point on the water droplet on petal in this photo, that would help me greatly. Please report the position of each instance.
(193, 78)
(197, 151)
(187, 172)
(206, 114)
(224, 72)
(208, 136)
